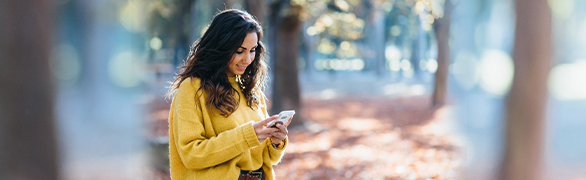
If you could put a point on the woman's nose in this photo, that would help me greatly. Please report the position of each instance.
(248, 58)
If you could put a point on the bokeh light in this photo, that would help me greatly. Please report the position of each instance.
(465, 70)
(496, 72)
(431, 65)
(561, 9)
(124, 69)
(566, 81)
(156, 43)
(129, 16)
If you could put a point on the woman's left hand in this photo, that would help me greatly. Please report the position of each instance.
(278, 136)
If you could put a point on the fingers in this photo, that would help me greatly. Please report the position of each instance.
(288, 121)
(279, 136)
(264, 122)
(282, 129)
(267, 131)
(275, 140)
(262, 137)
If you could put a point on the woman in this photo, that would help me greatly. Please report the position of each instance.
(216, 126)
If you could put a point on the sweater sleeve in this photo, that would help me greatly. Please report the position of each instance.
(275, 154)
(195, 149)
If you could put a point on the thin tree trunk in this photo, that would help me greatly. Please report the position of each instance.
(526, 103)
(287, 26)
(229, 4)
(27, 139)
(376, 37)
(181, 37)
(256, 8)
(442, 31)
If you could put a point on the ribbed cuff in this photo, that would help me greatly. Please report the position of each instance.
(250, 135)
(281, 145)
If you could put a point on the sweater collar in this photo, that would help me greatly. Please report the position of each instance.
(232, 80)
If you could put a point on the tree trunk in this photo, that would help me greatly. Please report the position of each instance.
(256, 8)
(375, 37)
(182, 45)
(228, 4)
(286, 95)
(526, 103)
(442, 31)
(27, 138)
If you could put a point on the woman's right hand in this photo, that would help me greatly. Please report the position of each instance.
(261, 132)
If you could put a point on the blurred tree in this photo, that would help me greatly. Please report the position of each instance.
(181, 18)
(376, 36)
(256, 8)
(285, 27)
(167, 23)
(228, 4)
(27, 135)
(442, 31)
(526, 103)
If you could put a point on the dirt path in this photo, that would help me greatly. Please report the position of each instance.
(363, 138)
(372, 138)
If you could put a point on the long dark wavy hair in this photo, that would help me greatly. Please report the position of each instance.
(210, 56)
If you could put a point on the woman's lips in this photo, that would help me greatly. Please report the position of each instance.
(242, 68)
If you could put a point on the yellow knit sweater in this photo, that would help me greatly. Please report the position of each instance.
(205, 145)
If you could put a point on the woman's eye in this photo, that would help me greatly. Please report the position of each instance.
(239, 52)
(254, 50)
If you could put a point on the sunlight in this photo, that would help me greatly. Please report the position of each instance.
(395, 30)
(496, 72)
(124, 69)
(357, 153)
(561, 9)
(423, 65)
(320, 142)
(465, 70)
(393, 89)
(395, 65)
(343, 5)
(156, 43)
(328, 94)
(311, 31)
(357, 64)
(566, 81)
(431, 65)
(130, 17)
(406, 65)
(327, 20)
(359, 124)
(326, 46)
(392, 53)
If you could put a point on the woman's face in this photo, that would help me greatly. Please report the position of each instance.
(243, 56)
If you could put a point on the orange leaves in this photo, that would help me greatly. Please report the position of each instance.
(373, 139)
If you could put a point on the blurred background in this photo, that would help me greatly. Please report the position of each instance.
(383, 89)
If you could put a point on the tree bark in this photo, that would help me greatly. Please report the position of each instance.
(286, 95)
(256, 8)
(182, 45)
(442, 31)
(229, 4)
(375, 37)
(526, 103)
(27, 139)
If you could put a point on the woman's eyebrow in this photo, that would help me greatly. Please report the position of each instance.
(245, 48)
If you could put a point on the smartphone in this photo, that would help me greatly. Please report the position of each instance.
(284, 116)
